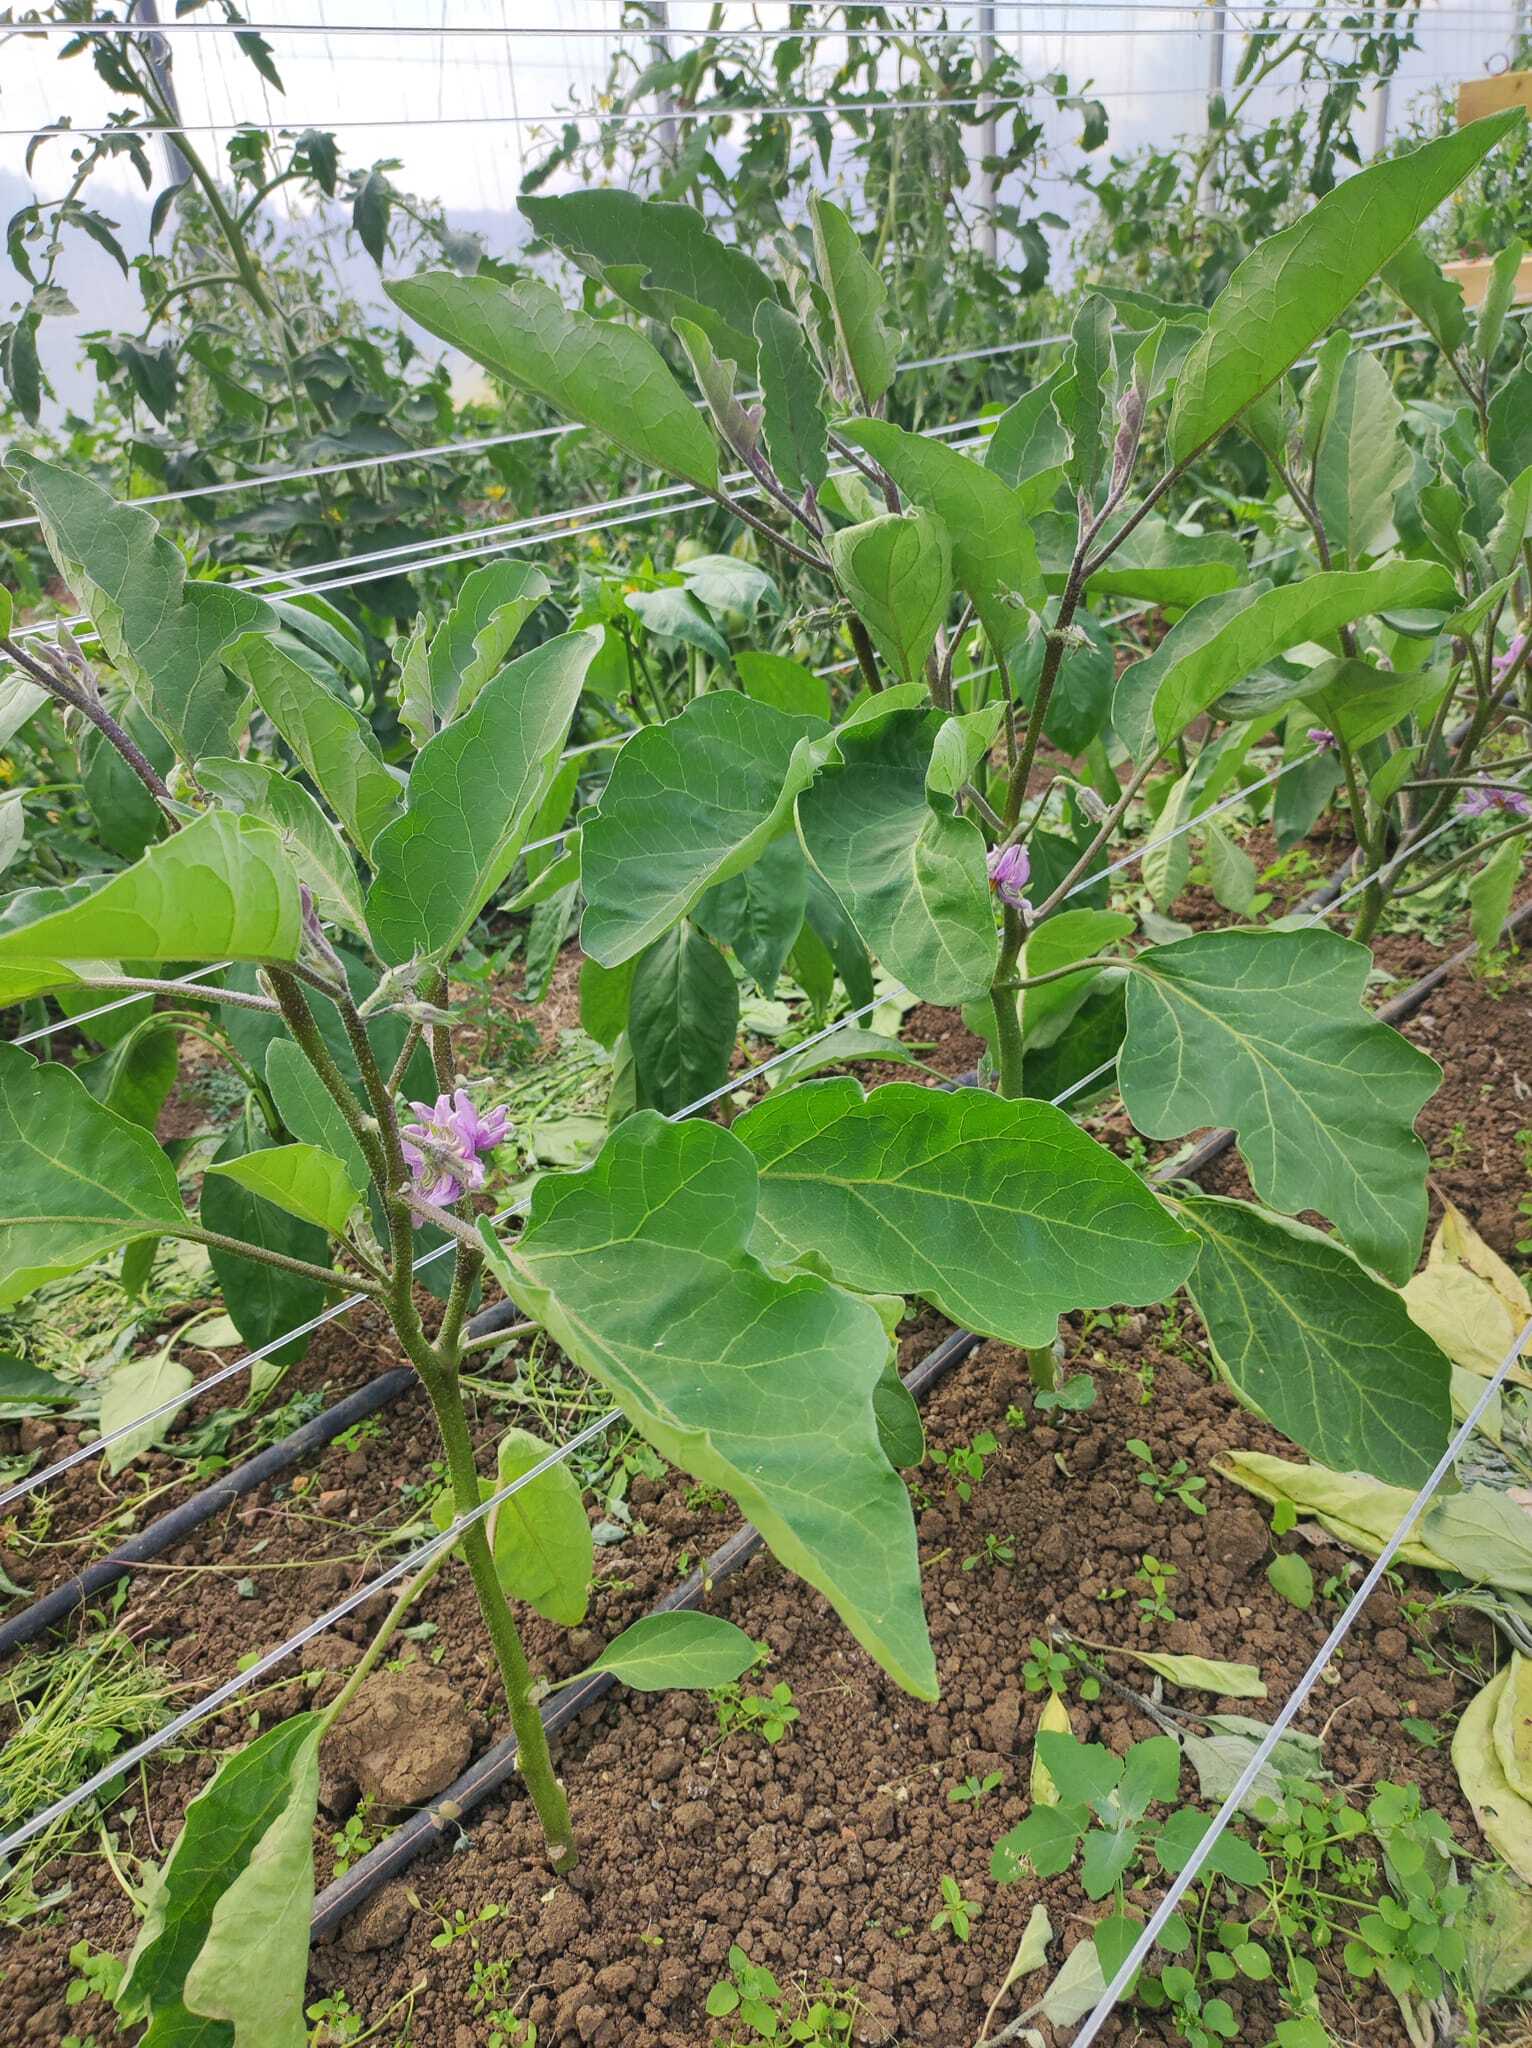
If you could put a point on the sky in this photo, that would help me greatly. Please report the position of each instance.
(458, 89)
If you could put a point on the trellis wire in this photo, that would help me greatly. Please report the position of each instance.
(447, 448)
(32, 1481)
(1295, 1699)
(411, 1562)
(481, 31)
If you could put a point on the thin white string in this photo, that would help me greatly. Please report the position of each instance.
(484, 31)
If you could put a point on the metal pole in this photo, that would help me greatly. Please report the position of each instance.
(1380, 118)
(658, 13)
(989, 140)
(157, 56)
(1215, 91)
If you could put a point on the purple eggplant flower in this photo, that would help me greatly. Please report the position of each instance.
(1504, 663)
(1009, 871)
(445, 1150)
(1484, 801)
(1321, 736)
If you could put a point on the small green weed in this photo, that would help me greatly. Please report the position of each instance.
(955, 1912)
(1179, 1483)
(768, 1715)
(750, 1997)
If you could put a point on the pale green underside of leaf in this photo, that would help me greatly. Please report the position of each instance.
(793, 396)
(264, 1790)
(1266, 1031)
(1314, 1343)
(333, 742)
(639, 1267)
(661, 1652)
(897, 571)
(910, 872)
(318, 853)
(597, 371)
(688, 804)
(1004, 1215)
(662, 258)
(1160, 565)
(1287, 291)
(222, 887)
(994, 556)
(305, 1180)
(857, 296)
(163, 634)
(1227, 637)
(472, 793)
(442, 672)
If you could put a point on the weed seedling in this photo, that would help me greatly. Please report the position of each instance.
(354, 1839)
(955, 1911)
(974, 1788)
(996, 1551)
(750, 1996)
(768, 1715)
(1179, 1483)
(964, 1463)
(1156, 1575)
(1057, 1668)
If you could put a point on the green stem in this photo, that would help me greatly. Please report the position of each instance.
(532, 1754)
(387, 1629)
(329, 1276)
(1006, 1004)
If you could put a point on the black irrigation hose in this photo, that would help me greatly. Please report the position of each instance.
(231, 1486)
(435, 1822)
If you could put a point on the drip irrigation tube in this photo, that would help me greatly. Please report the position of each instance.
(229, 1487)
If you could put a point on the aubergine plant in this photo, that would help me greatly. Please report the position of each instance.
(732, 1288)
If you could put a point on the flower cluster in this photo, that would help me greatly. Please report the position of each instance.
(1321, 736)
(1504, 663)
(1009, 871)
(1480, 803)
(445, 1150)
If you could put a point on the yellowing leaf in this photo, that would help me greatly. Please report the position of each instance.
(1503, 1815)
(1360, 1511)
(1202, 1674)
(1468, 1299)
(1054, 1720)
(1513, 1726)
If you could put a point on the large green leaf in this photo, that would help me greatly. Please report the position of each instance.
(759, 913)
(910, 872)
(688, 804)
(1160, 564)
(598, 371)
(1287, 290)
(640, 1269)
(1360, 461)
(76, 1180)
(318, 853)
(221, 887)
(662, 258)
(128, 820)
(164, 635)
(332, 741)
(1028, 446)
(683, 1013)
(540, 1538)
(1004, 1215)
(264, 1301)
(897, 571)
(857, 296)
(994, 556)
(222, 1956)
(1067, 936)
(441, 672)
(472, 793)
(310, 1111)
(1314, 1343)
(1266, 1031)
(1434, 299)
(1226, 638)
(1510, 421)
(793, 401)
(307, 1181)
